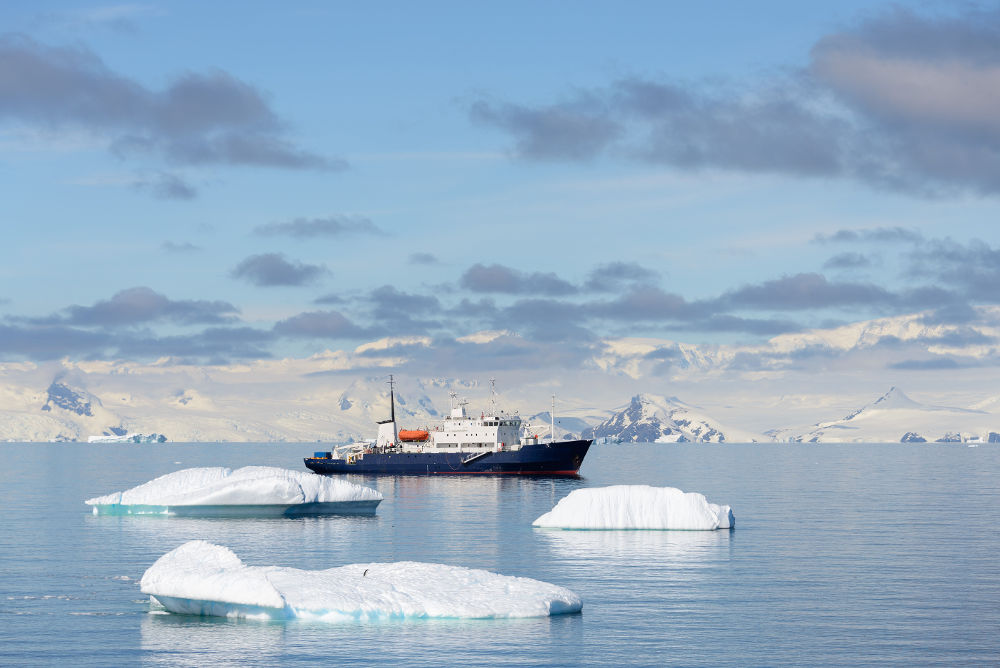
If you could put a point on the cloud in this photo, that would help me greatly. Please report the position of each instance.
(402, 312)
(973, 267)
(897, 101)
(332, 298)
(871, 235)
(957, 313)
(142, 305)
(848, 261)
(424, 258)
(199, 118)
(770, 130)
(646, 303)
(310, 228)
(570, 131)
(546, 320)
(806, 291)
(164, 185)
(504, 353)
(46, 343)
(613, 276)
(497, 278)
(215, 345)
(122, 18)
(179, 247)
(732, 323)
(272, 269)
(925, 365)
(321, 325)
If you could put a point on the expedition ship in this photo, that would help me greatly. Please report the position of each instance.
(491, 443)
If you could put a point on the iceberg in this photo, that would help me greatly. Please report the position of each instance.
(636, 507)
(251, 490)
(201, 578)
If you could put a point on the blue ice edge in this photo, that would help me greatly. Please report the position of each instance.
(205, 608)
(261, 510)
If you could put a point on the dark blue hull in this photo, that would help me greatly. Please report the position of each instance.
(562, 458)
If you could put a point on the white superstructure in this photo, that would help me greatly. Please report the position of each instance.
(491, 431)
(458, 431)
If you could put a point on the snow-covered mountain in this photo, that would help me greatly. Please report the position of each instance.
(649, 418)
(895, 417)
(287, 400)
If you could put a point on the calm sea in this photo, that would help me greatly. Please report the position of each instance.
(846, 554)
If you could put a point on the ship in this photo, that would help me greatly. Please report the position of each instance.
(494, 442)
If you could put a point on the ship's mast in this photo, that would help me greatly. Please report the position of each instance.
(493, 396)
(552, 416)
(392, 400)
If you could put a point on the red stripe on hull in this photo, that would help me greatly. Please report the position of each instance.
(504, 472)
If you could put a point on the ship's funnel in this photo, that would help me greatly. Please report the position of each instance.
(386, 433)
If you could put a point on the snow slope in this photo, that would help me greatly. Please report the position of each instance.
(895, 417)
(655, 419)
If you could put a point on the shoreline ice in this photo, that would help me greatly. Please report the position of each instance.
(636, 507)
(251, 490)
(202, 578)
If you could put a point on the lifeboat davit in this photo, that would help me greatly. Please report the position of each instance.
(410, 435)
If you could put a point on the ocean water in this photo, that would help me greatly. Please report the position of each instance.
(841, 555)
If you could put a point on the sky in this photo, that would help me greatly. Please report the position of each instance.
(228, 182)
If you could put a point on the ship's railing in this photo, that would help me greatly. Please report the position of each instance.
(342, 451)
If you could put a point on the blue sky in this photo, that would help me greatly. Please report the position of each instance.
(220, 181)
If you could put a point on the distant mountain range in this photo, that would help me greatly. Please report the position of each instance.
(895, 417)
(649, 418)
(305, 400)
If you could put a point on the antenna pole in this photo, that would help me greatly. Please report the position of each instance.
(552, 416)
(392, 400)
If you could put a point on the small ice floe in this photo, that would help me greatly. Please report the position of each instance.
(201, 578)
(252, 491)
(636, 507)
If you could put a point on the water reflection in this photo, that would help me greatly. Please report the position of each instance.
(665, 548)
(180, 640)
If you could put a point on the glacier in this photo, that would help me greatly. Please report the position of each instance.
(251, 490)
(202, 578)
(636, 507)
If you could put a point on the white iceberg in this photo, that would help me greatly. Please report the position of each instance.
(201, 578)
(251, 490)
(636, 507)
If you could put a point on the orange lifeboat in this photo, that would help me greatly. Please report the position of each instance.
(411, 435)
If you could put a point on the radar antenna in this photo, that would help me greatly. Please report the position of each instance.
(392, 399)
(552, 416)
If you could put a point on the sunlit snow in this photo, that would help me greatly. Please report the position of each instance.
(251, 490)
(201, 578)
(636, 507)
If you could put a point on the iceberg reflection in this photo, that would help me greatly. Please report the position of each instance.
(170, 640)
(680, 548)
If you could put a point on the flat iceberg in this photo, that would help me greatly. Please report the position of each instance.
(201, 578)
(251, 490)
(636, 507)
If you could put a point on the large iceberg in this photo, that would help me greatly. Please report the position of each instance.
(201, 578)
(251, 490)
(636, 507)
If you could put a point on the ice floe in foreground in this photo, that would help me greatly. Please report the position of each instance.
(201, 578)
(636, 507)
(252, 490)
